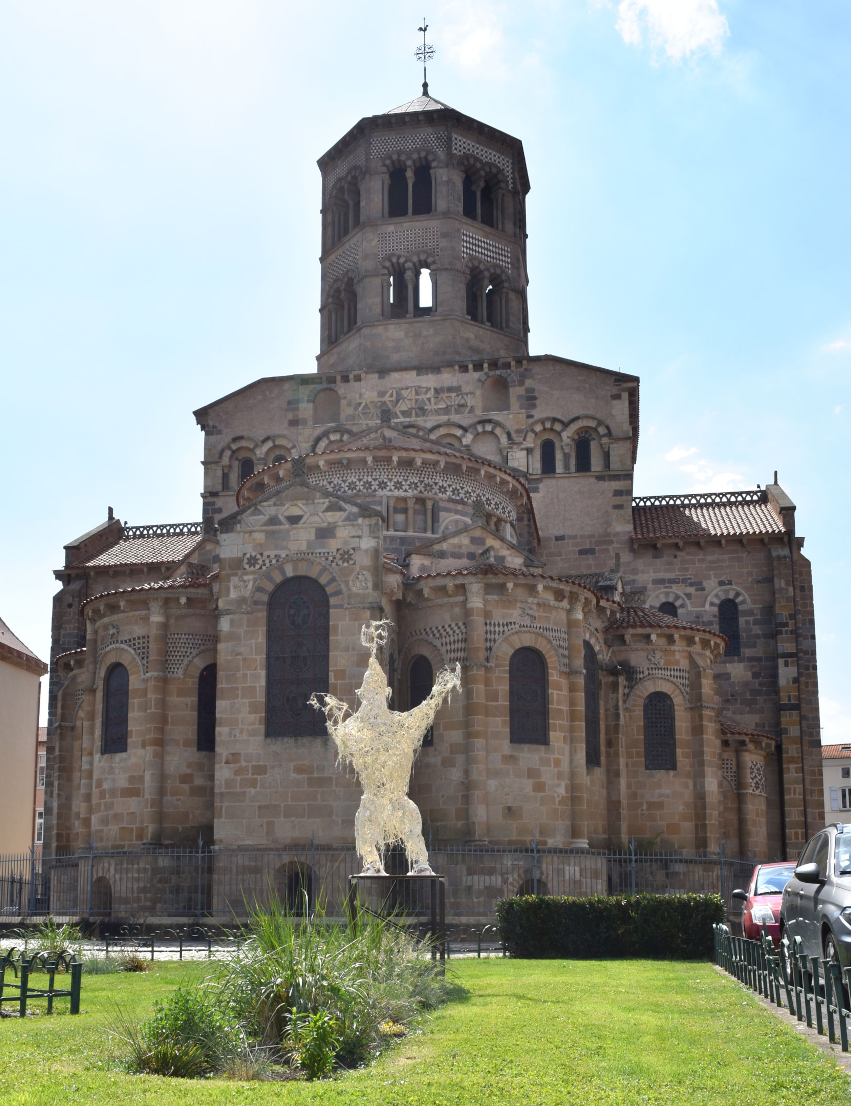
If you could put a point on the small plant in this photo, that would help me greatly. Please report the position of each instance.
(313, 1040)
(47, 936)
(100, 965)
(131, 962)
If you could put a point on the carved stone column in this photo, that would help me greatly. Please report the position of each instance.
(576, 723)
(476, 713)
(705, 758)
(87, 751)
(410, 281)
(155, 721)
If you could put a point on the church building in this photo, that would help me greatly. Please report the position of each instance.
(632, 667)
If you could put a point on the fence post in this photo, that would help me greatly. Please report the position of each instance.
(721, 867)
(632, 864)
(535, 864)
(31, 906)
(198, 899)
(76, 982)
(91, 874)
(25, 983)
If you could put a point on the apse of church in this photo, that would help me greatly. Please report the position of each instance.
(631, 667)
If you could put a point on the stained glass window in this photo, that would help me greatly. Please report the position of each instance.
(592, 707)
(421, 681)
(206, 728)
(660, 740)
(297, 646)
(728, 625)
(116, 704)
(527, 696)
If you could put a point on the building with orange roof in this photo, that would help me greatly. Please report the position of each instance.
(632, 666)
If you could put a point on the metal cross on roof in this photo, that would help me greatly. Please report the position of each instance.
(424, 54)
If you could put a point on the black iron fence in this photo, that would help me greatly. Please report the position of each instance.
(224, 884)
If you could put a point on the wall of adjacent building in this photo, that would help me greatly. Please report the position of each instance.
(18, 729)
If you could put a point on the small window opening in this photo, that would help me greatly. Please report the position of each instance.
(669, 608)
(548, 456)
(246, 468)
(583, 455)
(728, 625)
(397, 194)
(421, 191)
(205, 730)
(470, 206)
(279, 458)
(473, 299)
(421, 681)
(424, 304)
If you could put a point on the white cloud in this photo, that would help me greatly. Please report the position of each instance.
(836, 410)
(835, 721)
(679, 27)
(679, 452)
(835, 347)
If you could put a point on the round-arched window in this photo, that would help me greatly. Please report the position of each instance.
(592, 706)
(420, 683)
(116, 706)
(246, 468)
(728, 625)
(583, 455)
(660, 739)
(297, 654)
(548, 456)
(527, 697)
(205, 729)
(669, 608)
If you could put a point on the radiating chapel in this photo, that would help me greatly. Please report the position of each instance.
(632, 667)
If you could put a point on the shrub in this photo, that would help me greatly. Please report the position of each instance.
(131, 962)
(677, 927)
(187, 1037)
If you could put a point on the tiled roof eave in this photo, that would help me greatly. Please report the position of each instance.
(156, 585)
(27, 661)
(490, 569)
(701, 539)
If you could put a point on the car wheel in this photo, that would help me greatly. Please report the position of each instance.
(831, 953)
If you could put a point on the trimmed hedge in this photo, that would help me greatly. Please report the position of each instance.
(665, 927)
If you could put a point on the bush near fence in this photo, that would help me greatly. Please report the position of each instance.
(665, 927)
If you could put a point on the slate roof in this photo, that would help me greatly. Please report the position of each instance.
(648, 618)
(713, 515)
(836, 752)
(12, 646)
(419, 103)
(148, 545)
(733, 729)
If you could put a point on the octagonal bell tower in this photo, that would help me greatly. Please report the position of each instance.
(423, 241)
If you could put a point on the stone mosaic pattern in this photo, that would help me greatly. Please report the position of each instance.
(415, 402)
(384, 478)
(450, 640)
(342, 167)
(340, 263)
(408, 241)
(474, 245)
(181, 648)
(385, 144)
(757, 775)
(461, 145)
(678, 676)
(138, 646)
(327, 556)
(495, 631)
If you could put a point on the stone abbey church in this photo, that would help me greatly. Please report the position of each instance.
(631, 667)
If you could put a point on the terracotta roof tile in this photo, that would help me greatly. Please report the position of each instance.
(648, 618)
(710, 515)
(156, 585)
(149, 545)
(836, 752)
(488, 568)
(733, 729)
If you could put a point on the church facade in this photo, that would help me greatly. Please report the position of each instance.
(631, 667)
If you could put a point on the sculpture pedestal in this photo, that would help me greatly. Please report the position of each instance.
(421, 899)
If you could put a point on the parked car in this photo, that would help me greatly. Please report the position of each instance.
(761, 901)
(816, 902)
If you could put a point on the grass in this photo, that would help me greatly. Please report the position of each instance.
(536, 1033)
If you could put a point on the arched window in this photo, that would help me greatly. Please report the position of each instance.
(548, 456)
(420, 683)
(496, 395)
(473, 298)
(669, 608)
(470, 206)
(592, 707)
(660, 739)
(424, 302)
(583, 454)
(116, 705)
(397, 194)
(487, 206)
(279, 458)
(421, 191)
(527, 698)
(326, 407)
(205, 731)
(297, 646)
(246, 468)
(294, 887)
(728, 625)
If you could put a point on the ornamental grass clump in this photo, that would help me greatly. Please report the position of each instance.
(291, 968)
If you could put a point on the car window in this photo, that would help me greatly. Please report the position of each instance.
(821, 854)
(807, 855)
(773, 880)
(843, 853)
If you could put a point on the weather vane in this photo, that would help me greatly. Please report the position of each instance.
(424, 54)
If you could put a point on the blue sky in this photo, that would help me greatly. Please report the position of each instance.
(159, 232)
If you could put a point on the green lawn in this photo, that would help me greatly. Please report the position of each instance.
(536, 1033)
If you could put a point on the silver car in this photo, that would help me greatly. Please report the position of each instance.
(816, 902)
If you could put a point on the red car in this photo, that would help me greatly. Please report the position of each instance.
(761, 901)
